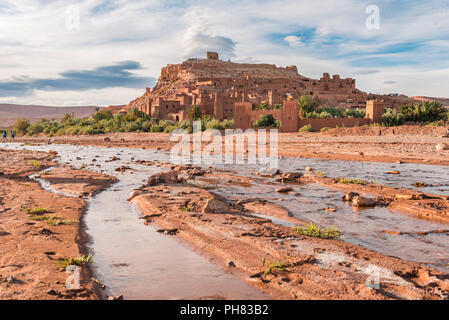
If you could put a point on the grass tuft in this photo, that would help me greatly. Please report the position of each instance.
(272, 267)
(75, 261)
(315, 230)
(36, 163)
(352, 181)
(37, 211)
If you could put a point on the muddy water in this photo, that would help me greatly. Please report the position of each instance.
(362, 227)
(135, 260)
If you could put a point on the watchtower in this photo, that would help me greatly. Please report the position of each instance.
(212, 55)
(375, 109)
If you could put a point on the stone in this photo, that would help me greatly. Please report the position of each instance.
(216, 206)
(309, 169)
(134, 194)
(106, 139)
(163, 177)
(441, 147)
(359, 201)
(119, 297)
(53, 152)
(393, 172)
(284, 189)
(350, 196)
(267, 172)
(290, 177)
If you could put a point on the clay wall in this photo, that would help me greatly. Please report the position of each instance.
(318, 124)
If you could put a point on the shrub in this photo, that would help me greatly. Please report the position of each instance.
(156, 128)
(325, 129)
(306, 128)
(215, 124)
(266, 120)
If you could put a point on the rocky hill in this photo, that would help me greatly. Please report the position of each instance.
(217, 85)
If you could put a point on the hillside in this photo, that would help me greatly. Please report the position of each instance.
(10, 112)
(444, 101)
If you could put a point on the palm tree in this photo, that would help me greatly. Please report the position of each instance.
(306, 104)
(194, 113)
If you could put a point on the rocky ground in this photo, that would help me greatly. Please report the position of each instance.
(271, 256)
(407, 143)
(39, 228)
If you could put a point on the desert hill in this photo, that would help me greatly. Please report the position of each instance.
(444, 101)
(10, 112)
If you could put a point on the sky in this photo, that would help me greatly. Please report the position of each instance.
(96, 52)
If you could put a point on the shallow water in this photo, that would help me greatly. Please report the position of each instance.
(134, 260)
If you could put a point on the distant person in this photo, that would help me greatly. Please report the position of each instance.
(393, 132)
(447, 133)
(5, 135)
(13, 134)
(380, 132)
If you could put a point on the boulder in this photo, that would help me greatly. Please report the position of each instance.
(290, 177)
(163, 177)
(441, 147)
(134, 194)
(309, 169)
(284, 189)
(106, 139)
(359, 201)
(53, 152)
(349, 196)
(215, 206)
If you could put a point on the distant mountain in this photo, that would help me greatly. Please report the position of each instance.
(444, 101)
(10, 112)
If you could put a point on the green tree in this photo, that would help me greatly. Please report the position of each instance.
(263, 106)
(194, 113)
(21, 126)
(306, 104)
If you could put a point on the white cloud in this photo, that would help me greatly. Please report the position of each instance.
(35, 42)
(294, 41)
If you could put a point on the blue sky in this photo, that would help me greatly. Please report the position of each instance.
(118, 47)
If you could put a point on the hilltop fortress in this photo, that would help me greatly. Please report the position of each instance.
(217, 86)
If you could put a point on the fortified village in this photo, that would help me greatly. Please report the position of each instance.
(229, 90)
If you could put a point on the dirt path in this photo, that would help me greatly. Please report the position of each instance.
(33, 242)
